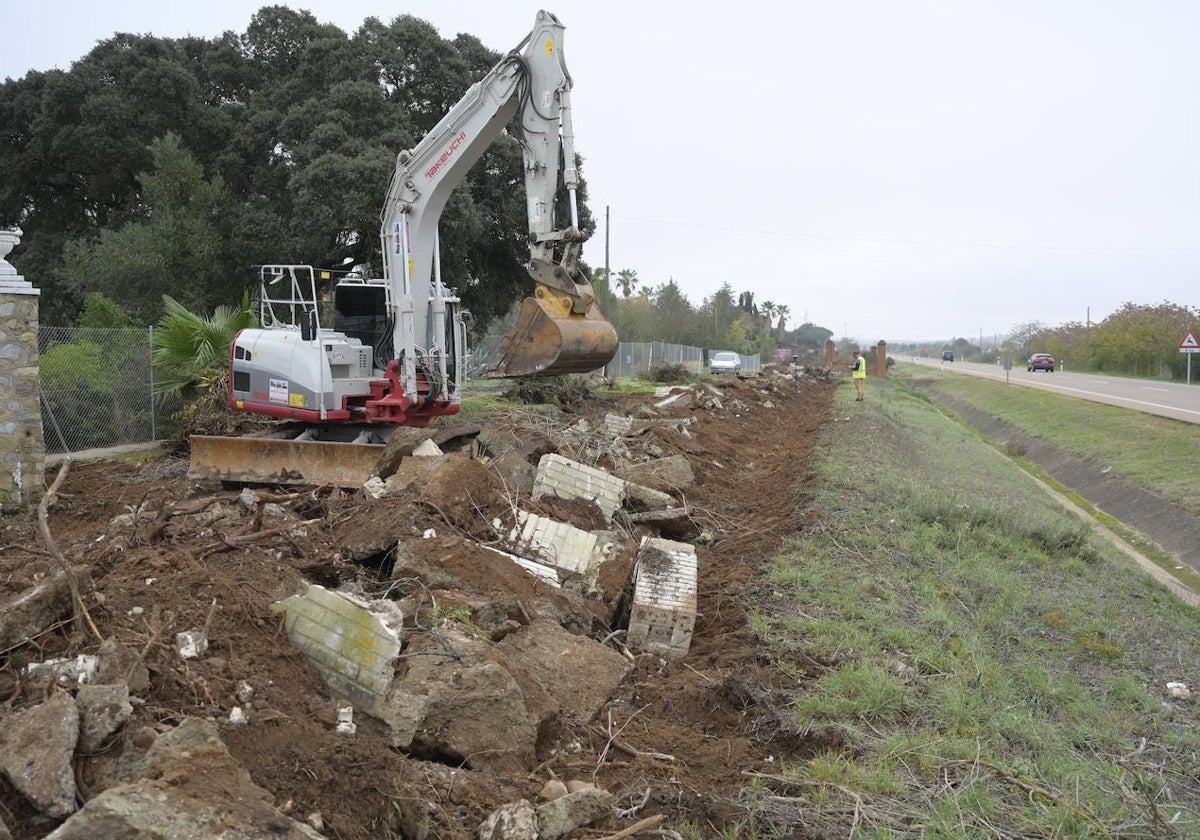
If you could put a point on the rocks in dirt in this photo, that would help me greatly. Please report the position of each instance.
(457, 702)
(578, 672)
(191, 787)
(103, 710)
(448, 695)
(561, 816)
(557, 816)
(36, 749)
(513, 821)
(670, 474)
(34, 610)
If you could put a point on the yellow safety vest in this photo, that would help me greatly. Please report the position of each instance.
(860, 368)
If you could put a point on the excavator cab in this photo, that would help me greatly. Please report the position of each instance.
(559, 330)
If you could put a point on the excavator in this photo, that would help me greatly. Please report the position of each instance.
(344, 363)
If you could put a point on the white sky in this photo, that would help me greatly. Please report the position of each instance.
(889, 169)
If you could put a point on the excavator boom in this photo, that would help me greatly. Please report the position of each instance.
(395, 354)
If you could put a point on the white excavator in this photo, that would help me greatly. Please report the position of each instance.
(395, 353)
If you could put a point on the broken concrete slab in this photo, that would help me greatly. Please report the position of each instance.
(36, 609)
(663, 613)
(513, 821)
(581, 673)
(672, 523)
(639, 498)
(103, 710)
(573, 551)
(455, 701)
(78, 670)
(561, 816)
(36, 749)
(191, 787)
(670, 474)
(352, 641)
(567, 479)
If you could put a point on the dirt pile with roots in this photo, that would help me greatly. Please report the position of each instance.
(164, 554)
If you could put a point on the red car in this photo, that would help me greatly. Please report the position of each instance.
(1040, 361)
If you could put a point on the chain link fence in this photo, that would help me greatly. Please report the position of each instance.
(97, 385)
(97, 389)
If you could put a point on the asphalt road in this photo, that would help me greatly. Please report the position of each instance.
(1167, 399)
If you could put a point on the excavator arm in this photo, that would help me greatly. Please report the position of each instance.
(559, 329)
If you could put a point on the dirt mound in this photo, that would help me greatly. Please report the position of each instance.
(168, 555)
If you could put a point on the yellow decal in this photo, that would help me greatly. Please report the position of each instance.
(240, 404)
(549, 46)
(324, 275)
(296, 400)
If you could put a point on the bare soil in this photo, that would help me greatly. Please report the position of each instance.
(676, 739)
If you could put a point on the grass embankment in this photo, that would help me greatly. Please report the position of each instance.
(985, 664)
(1155, 452)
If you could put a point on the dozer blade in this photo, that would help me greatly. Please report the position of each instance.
(260, 460)
(548, 339)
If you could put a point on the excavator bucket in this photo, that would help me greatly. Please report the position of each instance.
(265, 460)
(550, 339)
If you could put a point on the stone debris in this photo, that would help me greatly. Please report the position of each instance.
(572, 551)
(663, 614)
(36, 750)
(447, 693)
(36, 609)
(567, 479)
(191, 644)
(78, 670)
(174, 797)
(103, 711)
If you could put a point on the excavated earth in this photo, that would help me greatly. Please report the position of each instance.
(159, 554)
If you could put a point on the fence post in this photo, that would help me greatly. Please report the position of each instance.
(153, 418)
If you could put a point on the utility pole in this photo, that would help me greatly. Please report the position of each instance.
(607, 234)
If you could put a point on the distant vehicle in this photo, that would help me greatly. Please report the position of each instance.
(1040, 361)
(947, 356)
(726, 361)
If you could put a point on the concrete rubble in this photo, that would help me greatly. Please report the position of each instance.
(441, 690)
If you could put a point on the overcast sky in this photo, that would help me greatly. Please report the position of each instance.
(888, 169)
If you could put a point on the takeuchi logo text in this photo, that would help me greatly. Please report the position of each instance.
(446, 155)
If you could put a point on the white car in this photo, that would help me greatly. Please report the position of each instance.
(725, 361)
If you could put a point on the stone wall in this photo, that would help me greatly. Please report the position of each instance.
(22, 450)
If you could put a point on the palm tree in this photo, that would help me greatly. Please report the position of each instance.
(783, 311)
(769, 309)
(191, 352)
(627, 279)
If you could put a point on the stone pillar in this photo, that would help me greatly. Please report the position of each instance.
(881, 358)
(830, 352)
(22, 449)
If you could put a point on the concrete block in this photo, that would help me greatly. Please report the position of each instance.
(570, 550)
(351, 641)
(567, 479)
(662, 616)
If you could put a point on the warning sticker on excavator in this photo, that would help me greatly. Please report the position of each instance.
(279, 391)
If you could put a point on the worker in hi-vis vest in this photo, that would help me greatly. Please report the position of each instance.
(858, 373)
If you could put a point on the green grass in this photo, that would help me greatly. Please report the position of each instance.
(989, 666)
(1155, 452)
